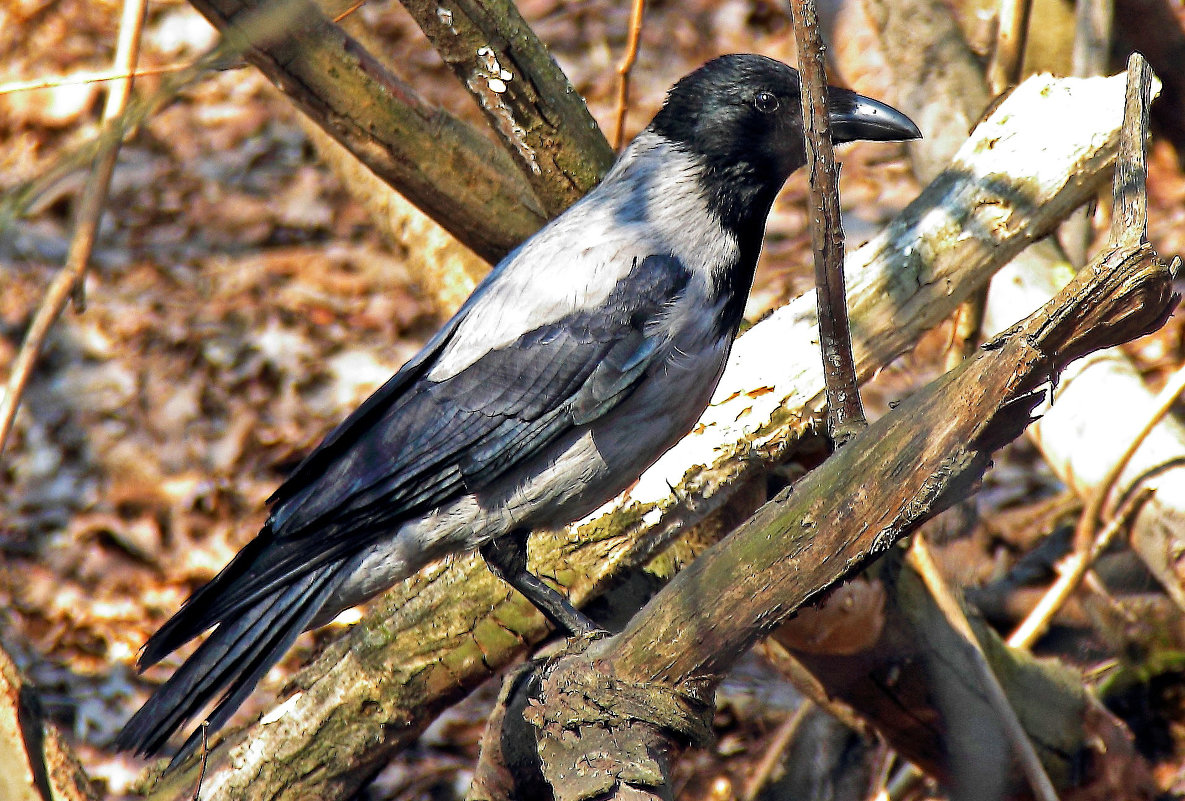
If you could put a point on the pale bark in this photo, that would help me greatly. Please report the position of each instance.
(36, 762)
(426, 643)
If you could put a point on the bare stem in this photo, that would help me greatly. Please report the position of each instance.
(845, 414)
(623, 72)
(69, 280)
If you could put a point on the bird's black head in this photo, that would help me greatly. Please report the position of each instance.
(742, 114)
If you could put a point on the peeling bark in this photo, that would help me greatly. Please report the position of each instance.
(36, 763)
(528, 100)
(918, 459)
(430, 640)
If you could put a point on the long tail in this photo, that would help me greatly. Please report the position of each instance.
(248, 639)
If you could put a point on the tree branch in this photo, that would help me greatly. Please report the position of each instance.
(429, 641)
(845, 413)
(528, 100)
(446, 167)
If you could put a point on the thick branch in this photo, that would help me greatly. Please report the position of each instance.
(431, 640)
(903, 469)
(527, 99)
(443, 165)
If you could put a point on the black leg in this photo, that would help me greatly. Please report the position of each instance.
(507, 559)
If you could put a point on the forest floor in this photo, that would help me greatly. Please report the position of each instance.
(240, 302)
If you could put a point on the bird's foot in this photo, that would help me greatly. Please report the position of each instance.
(507, 559)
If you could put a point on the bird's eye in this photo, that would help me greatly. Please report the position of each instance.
(766, 102)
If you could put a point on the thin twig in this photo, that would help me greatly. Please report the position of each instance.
(87, 76)
(1088, 545)
(785, 663)
(845, 414)
(1071, 571)
(623, 72)
(69, 280)
(94, 195)
(197, 790)
(923, 562)
(353, 7)
(778, 746)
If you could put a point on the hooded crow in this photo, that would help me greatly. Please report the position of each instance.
(583, 356)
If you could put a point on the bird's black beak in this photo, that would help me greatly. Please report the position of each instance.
(855, 117)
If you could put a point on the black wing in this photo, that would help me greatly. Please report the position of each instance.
(417, 444)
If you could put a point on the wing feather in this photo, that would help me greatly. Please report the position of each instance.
(425, 443)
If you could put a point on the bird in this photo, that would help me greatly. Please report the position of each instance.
(583, 356)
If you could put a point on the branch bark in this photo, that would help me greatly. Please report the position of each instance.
(528, 100)
(36, 762)
(845, 412)
(429, 641)
(443, 165)
(604, 722)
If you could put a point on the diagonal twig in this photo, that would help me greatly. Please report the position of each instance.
(69, 281)
(623, 72)
(922, 561)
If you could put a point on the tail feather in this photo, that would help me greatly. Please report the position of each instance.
(233, 659)
(202, 610)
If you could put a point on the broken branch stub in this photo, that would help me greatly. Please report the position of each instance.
(909, 465)
(432, 639)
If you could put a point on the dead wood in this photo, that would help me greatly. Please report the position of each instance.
(428, 642)
(36, 762)
(647, 690)
(446, 167)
